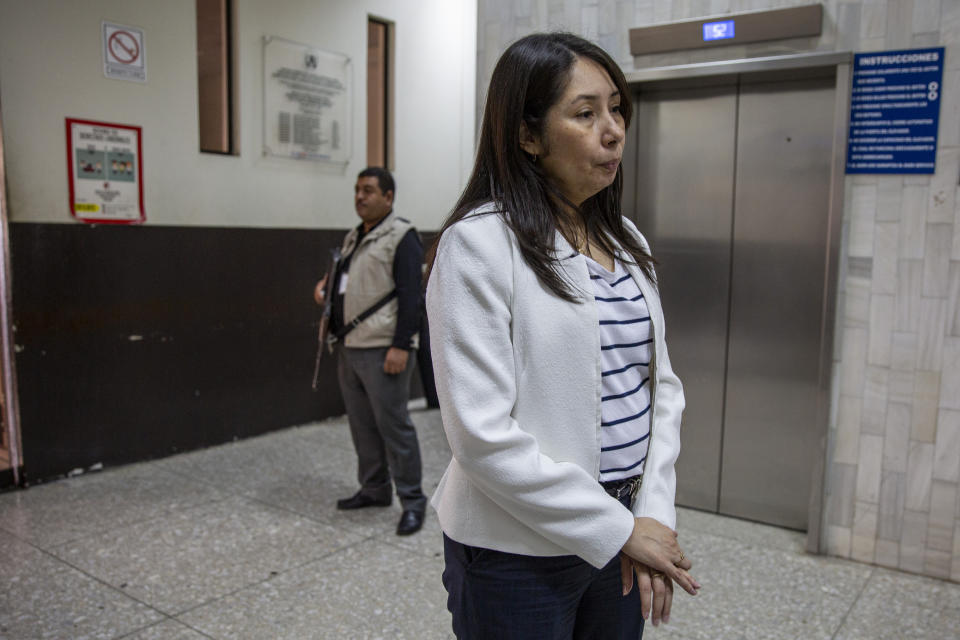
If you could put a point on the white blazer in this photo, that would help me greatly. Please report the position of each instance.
(518, 377)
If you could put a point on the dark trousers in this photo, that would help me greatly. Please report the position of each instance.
(383, 434)
(495, 595)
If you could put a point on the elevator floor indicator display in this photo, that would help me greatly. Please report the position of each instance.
(895, 111)
(723, 30)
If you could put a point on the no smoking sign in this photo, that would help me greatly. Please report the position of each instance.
(124, 57)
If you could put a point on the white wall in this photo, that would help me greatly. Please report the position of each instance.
(51, 68)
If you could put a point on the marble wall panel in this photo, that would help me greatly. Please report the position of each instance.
(899, 24)
(881, 330)
(863, 539)
(950, 28)
(571, 15)
(953, 300)
(943, 185)
(862, 220)
(873, 19)
(854, 361)
(884, 272)
(662, 11)
(924, 40)
(623, 16)
(846, 445)
(946, 461)
(901, 385)
(893, 489)
(955, 564)
(913, 218)
(843, 483)
(919, 476)
(949, 134)
(847, 35)
(936, 261)
(913, 541)
(937, 564)
(590, 22)
(873, 416)
(943, 503)
(889, 198)
(887, 553)
(923, 414)
(834, 409)
(837, 541)
(860, 269)
(955, 248)
(896, 440)
(856, 300)
(950, 378)
(931, 333)
(869, 468)
(871, 44)
(522, 8)
(720, 6)
(926, 15)
(909, 288)
(903, 351)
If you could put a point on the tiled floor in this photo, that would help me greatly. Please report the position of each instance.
(243, 541)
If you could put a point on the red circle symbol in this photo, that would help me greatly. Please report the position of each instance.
(123, 46)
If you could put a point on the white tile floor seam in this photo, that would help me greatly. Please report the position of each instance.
(853, 605)
(244, 541)
(158, 627)
(225, 596)
(117, 591)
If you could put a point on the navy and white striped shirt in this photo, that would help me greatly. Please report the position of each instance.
(625, 347)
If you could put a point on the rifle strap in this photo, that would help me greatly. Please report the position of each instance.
(350, 326)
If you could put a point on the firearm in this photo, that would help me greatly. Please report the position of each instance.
(325, 317)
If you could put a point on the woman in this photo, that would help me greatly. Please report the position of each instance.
(555, 386)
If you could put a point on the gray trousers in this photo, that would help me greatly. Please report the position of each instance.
(383, 434)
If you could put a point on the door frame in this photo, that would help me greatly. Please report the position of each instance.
(8, 371)
(842, 61)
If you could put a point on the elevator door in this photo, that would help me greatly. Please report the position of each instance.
(732, 181)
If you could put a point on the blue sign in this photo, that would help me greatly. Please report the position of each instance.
(717, 30)
(895, 111)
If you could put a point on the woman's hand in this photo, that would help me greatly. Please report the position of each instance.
(655, 545)
(656, 589)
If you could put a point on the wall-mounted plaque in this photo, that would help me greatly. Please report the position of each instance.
(307, 102)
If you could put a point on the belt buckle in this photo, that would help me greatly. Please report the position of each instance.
(628, 487)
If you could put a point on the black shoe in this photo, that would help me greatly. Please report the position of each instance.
(359, 501)
(410, 522)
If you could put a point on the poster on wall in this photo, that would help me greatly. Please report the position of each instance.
(306, 98)
(895, 111)
(105, 172)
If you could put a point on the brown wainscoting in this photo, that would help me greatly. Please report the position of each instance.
(137, 342)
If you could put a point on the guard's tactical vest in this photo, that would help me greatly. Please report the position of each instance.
(371, 278)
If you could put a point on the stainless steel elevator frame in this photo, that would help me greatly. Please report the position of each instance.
(841, 62)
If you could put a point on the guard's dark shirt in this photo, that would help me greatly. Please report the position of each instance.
(407, 276)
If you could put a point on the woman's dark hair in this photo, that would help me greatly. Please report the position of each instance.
(529, 78)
